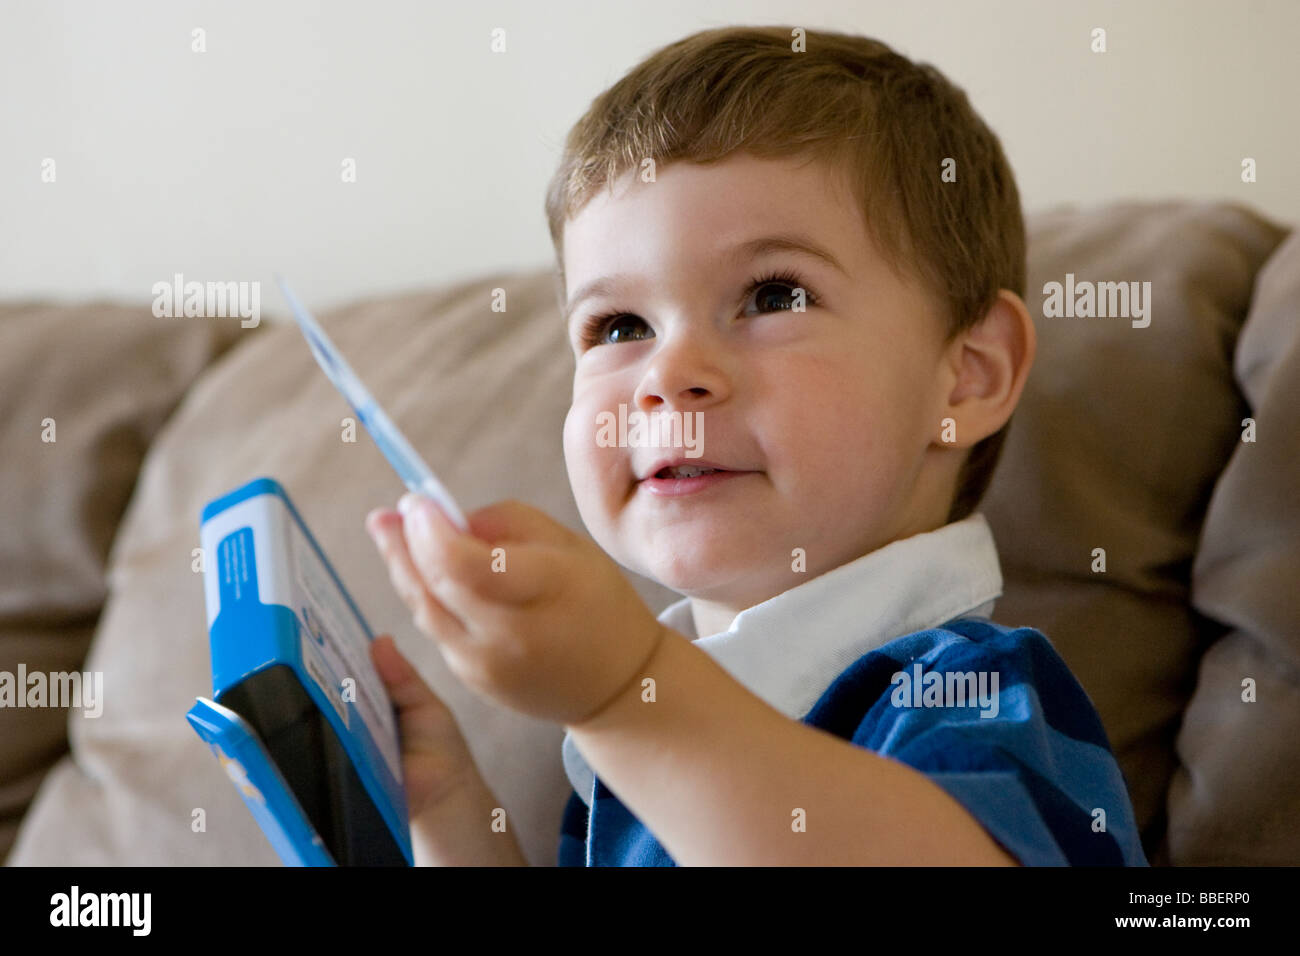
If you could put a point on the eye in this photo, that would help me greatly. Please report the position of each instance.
(605, 329)
(777, 287)
(595, 328)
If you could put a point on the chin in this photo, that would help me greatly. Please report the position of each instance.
(692, 578)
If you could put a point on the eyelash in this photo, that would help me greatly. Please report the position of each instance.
(594, 328)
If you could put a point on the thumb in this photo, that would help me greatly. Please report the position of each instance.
(514, 521)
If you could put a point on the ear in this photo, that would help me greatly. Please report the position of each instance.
(990, 362)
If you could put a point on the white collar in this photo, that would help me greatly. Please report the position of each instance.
(788, 649)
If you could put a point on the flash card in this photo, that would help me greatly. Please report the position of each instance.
(410, 467)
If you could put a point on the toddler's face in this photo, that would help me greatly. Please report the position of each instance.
(829, 418)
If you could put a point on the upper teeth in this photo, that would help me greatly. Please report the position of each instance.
(689, 471)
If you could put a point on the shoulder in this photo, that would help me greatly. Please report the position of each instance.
(1032, 675)
(1017, 671)
(993, 715)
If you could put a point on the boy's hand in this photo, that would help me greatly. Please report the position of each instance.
(525, 611)
(436, 761)
(449, 807)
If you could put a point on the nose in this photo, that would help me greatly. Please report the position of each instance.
(683, 373)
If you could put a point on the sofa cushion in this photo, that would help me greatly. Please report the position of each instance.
(1118, 441)
(1239, 746)
(107, 377)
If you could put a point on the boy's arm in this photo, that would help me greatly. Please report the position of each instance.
(723, 779)
(457, 830)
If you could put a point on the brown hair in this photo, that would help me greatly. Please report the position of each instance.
(853, 102)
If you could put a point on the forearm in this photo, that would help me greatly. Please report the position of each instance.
(721, 778)
(457, 831)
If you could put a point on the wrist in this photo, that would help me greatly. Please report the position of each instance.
(631, 689)
(457, 830)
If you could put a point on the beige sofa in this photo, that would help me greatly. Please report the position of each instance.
(1127, 439)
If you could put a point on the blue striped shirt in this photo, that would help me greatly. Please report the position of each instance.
(989, 713)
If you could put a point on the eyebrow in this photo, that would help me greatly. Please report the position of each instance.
(750, 249)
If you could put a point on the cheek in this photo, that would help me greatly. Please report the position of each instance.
(577, 447)
(587, 462)
(842, 418)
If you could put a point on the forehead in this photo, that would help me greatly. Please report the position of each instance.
(692, 216)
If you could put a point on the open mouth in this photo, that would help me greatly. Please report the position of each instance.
(679, 480)
(685, 471)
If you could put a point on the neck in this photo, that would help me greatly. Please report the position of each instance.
(711, 617)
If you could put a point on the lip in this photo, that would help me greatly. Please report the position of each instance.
(676, 487)
(674, 462)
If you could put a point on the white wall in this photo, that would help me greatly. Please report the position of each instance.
(226, 164)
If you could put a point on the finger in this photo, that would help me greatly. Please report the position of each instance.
(523, 556)
(457, 568)
(430, 615)
(387, 534)
(425, 720)
(513, 520)
(523, 573)
(408, 691)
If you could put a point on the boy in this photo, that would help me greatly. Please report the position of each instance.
(814, 247)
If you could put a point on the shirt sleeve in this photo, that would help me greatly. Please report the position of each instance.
(1025, 754)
